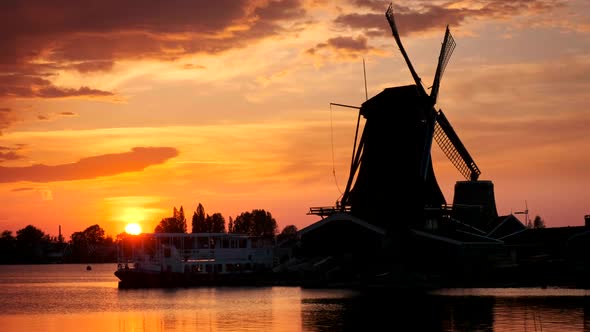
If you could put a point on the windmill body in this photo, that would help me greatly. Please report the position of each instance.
(388, 167)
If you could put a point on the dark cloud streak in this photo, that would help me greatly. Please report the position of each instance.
(93, 66)
(54, 116)
(22, 189)
(7, 118)
(426, 16)
(30, 86)
(109, 30)
(92, 167)
(347, 45)
(7, 153)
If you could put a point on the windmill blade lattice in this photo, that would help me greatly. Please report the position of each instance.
(449, 142)
(447, 48)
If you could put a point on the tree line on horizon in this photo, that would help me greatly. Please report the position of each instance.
(257, 222)
(31, 245)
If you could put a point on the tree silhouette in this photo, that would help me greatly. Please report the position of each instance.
(538, 222)
(256, 223)
(243, 223)
(7, 247)
(30, 243)
(85, 244)
(94, 234)
(174, 224)
(204, 223)
(29, 234)
(216, 223)
(288, 233)
(199, 219)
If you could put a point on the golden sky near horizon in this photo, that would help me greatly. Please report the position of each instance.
(115, 112)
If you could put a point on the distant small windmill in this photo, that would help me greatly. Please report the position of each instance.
(527, 222)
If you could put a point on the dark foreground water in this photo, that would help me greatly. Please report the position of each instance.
(70, 298)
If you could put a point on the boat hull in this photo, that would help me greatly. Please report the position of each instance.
(148, 279)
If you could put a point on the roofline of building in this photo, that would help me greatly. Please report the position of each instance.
(340, 216)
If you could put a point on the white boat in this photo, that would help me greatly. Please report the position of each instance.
(194, 259)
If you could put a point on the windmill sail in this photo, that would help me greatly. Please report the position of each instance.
(446, 50)
(447, 139)
(394, 31)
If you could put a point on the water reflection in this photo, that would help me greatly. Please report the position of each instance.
(211, 309)
(532, 309)
(68, 298)
(390, 310)
(448, 311)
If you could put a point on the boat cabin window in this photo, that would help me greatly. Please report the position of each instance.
(202, 242)
(256, 243)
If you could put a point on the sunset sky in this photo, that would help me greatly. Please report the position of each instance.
(114, 112)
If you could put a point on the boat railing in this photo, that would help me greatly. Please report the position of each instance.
(138, 259)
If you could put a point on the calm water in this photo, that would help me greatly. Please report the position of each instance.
(69, 298)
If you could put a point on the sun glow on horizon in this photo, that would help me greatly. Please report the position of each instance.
(133, 229)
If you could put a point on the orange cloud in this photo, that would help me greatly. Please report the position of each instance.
(91, 167)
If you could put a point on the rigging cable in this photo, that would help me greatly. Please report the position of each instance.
(332, 130)
(332, 143)
(365, 75)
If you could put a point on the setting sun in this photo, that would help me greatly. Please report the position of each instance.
(133, 229)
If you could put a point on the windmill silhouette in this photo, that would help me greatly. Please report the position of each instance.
(393, 223)
(391, 183)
